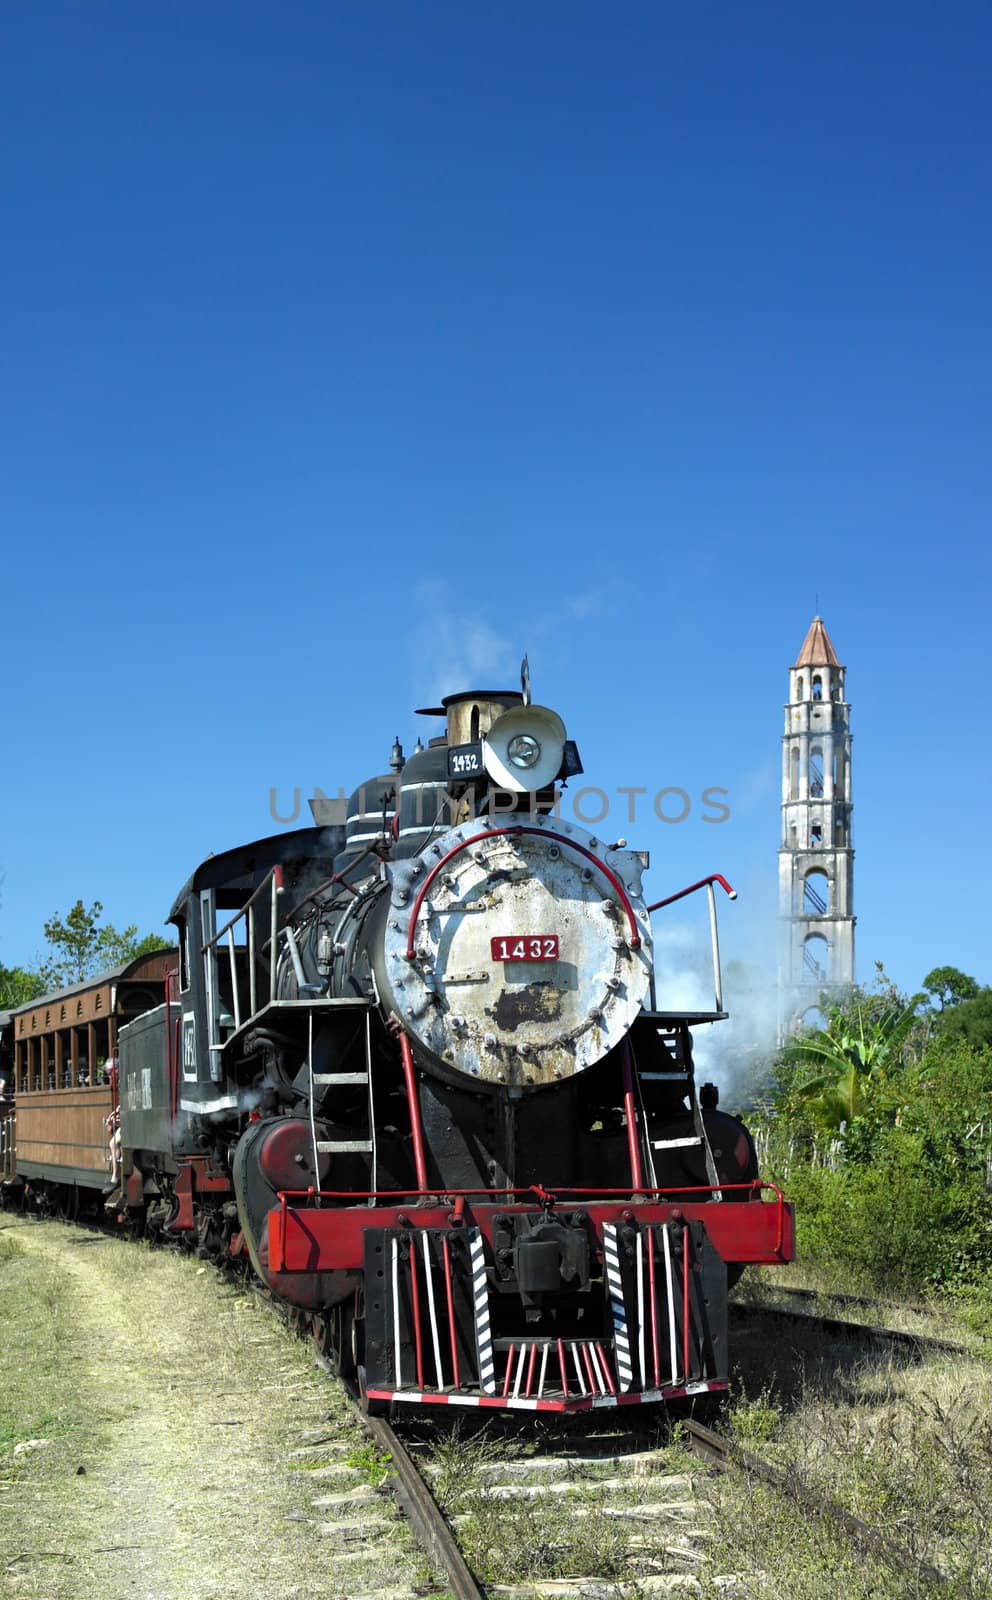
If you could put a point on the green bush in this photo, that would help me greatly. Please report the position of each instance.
(901, 1192)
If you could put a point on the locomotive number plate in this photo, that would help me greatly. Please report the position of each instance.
(525, 947)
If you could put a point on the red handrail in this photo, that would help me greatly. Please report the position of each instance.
(714, 877)
(540, 833)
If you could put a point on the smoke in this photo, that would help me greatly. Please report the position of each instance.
(452, 650)
(729, 1053)
(453, 647)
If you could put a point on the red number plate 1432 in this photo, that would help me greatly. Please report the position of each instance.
(525, 947)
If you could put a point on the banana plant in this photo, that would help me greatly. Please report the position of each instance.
(856, 1048)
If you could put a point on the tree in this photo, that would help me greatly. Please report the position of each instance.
(949, 987)
(18, 986)
(970, 1021)
(861, 1041)
(80, 948)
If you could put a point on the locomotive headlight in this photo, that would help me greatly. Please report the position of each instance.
(523, 750)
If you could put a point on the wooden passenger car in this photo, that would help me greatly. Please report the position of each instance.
(63, 1045)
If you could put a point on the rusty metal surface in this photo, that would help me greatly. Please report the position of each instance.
(423, 1511)
(521, 1023)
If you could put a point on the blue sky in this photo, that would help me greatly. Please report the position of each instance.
(350, 351)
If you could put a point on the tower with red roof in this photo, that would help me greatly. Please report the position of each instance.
(816, 855)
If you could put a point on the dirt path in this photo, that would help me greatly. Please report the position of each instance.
(182, 1446)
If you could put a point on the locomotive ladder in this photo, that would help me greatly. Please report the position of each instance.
(675, 1042)
(325, 1080)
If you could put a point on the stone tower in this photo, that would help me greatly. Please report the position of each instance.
(816, 857)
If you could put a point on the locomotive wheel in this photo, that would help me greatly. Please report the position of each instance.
(333, 1338)
(371, 1408)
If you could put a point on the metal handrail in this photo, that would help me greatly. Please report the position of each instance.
(273, 882)
(707, 884)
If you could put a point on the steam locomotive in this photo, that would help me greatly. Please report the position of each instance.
(410, 1063)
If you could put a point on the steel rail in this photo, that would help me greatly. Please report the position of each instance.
(837, 1299)
(728, 1457)
(839, 1326)
(422, 1510)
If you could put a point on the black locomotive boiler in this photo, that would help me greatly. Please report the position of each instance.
(413, 1065)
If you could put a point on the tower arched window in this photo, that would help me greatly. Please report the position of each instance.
(794, 774)
(793, 838)
(816, 894)
(817, 687)
(816, 958)
(815, 834)
(816, 772)
(800, 687)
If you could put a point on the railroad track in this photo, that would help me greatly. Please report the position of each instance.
(842, 1327)
(627, 1476)
(664, 1520)
(618, 1477)
(726, 1456)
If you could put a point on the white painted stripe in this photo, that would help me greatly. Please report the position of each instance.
(396, 1312)
(226, 1102)
(521, 1364)
(598, 1369)
(483, 1331)
(621, 1336)
(670, 1290)
(577, 1363)
(432, 1308)
(544, 1368)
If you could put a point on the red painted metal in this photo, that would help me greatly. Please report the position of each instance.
(649, 1240)
(525, 947)
(329, 1238)
(176, 1045)
(418, 1343)
(562, 1369)
(606, 1368)
(451, 1312)
(685, 1304)
(183, 1220)
(509, 1371)
(540, 833)
(530, 1369)
(630, 1117)
(714, 877)
(409, 1078)
(590, 1369)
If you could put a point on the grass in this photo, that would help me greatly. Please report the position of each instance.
(530, 1541)
(188, 1409)
(902, 1440)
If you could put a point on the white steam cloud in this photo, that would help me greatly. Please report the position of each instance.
(725, 1053)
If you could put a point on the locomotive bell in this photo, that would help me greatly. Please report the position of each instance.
(524, 749)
